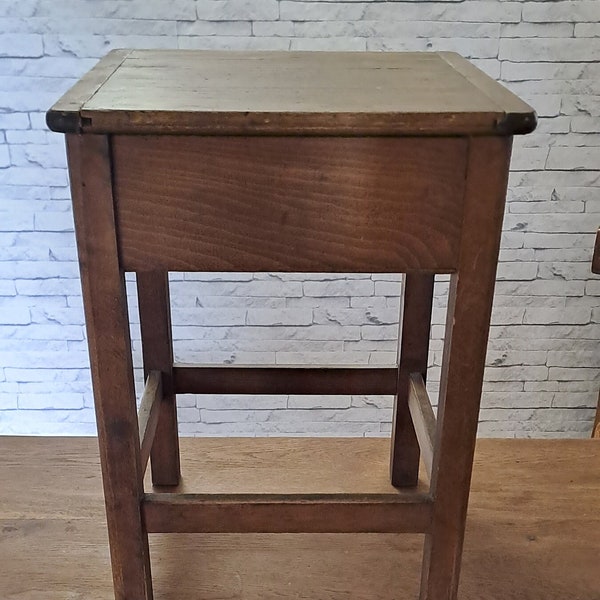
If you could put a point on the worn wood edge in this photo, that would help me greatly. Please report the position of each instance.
(287, 513)
(423, 418)
(596, 255)
(304, 380)
(518, 117)
(65, 115)
(289, 123)
(148, 415)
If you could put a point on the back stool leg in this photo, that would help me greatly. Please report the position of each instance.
(157, 349)
(415, 322)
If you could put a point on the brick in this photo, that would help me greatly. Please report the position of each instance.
(356, 316)
(48, 287)
(15, 222)
(238, 10)
(233, 43)
(182, 10)
(188, 415)
(587, 29)
(41, 155)
(324, 402)
(235, 402)
(573, 158)
(4, 157)
(336, 44)
(268, 317)
(468, 11)
(575, 399)
(576, 358)
(592, 288)
(15, 316)
(546, 207)
(96, 46)
(273, 28)
(517, 271)
(56, 401)
(321, 358)
(25, 175)
(547, 12)
(338, 288)
(532, 30)
(516, 400)
(574, 374)
(543, 71)
(545, 241)
(214, 317)
(14, 120)
(579, 104)
(330, 11)
(470, 48)
(584, 124)
(379, 332)
(233, 27)
(549, 316)
(7, 288)
(529, 159)
(564, 270)
(21, 45)
(574, 223)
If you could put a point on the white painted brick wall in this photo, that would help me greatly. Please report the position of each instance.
(544, 354)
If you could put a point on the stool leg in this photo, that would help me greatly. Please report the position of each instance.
(465, 344)
(157, 349)
(107, 323)
(415, 323)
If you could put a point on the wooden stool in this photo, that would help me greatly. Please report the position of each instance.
(288, 162)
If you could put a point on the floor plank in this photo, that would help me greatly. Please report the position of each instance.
(533, 531)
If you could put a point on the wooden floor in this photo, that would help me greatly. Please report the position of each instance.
(533, 531)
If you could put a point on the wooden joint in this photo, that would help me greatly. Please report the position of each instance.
(148, 414)
(309, 380)
(424, 420)
(287, 513)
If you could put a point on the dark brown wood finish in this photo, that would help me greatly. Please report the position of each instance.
(157, 349)
(423, 419)
(465, 344)
(413, 350)
(148, 415)
(286, 513)
(302, 162)
(289, 204)
(596, 255)
(284, 380)
(107, 324)
(298, 93)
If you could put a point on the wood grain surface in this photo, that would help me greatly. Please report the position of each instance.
(107, 324)
(305, 380)
(533, 531)
(288, 204)
(416, 301)
(157, 349)
(304, 93)
(470, 300)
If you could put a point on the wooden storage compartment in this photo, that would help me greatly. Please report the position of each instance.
(303, 204)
